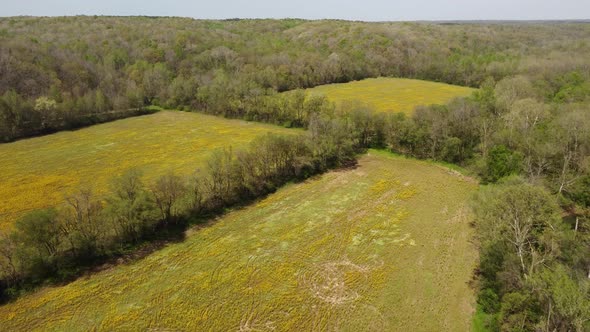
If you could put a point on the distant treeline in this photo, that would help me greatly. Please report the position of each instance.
(38, 124)
(64, 72)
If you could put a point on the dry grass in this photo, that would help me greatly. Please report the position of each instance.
(382, 247)
(392, 94)
(38, 172)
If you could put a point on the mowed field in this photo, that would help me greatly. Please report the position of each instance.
(38, 172)
(392, 94)
(382, 247)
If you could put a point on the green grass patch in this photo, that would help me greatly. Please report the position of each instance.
(392, 94)
(450, 168)
(481, 321)
(382, 247)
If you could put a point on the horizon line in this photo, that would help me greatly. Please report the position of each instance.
(579, 20)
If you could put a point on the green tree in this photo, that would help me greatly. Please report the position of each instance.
(566, 300)
(130, 208)
(501, 162)
(525, 218)
(38, 242)
(11, 109)
(39, 230)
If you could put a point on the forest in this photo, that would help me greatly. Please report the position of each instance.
(66, 72)
(525, 133)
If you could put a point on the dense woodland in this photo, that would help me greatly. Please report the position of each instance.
(525, 133)
(58, 73)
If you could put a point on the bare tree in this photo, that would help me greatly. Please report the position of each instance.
(8, 265)
(81, 221)
(167, 191)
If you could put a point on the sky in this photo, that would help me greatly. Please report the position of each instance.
(365, 10)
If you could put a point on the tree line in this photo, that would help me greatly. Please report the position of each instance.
(58, 243)
(506, 127)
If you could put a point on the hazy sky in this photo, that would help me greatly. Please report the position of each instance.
(368, 10)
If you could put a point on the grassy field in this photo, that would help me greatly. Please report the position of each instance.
(381, 247)
(38, 172)
(392, 94)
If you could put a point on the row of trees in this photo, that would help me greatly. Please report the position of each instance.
(505, 128)
(58, 243)
(20, 117)
(65, 71)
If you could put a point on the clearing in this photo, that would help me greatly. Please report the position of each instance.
(392, 94)
(38, 172)
(384, 246)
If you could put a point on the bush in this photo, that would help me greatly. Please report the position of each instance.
(38, 240)
(488, 300)
(501, 162)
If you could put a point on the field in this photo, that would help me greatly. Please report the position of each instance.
(392, 94)
(38, 172)
(384, 246)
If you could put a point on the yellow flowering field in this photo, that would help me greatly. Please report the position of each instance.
(38, 172)
(382, 247)
(392, 94)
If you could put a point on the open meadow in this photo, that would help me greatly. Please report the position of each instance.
(392, 94)
(381, 247)
(38, 172)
